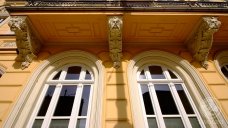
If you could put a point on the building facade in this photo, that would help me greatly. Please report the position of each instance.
(114, 64)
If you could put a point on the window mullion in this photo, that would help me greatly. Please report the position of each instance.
(226, 67)
(52, 106)
(157, 108)
(76, 107)
(180, 106)
(82, 74)
(147, 73)
(63, 74)
(89, 108)
(39, 102)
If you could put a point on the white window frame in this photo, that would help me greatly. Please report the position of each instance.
(23, 109)
(190, 77)
(221, 59)
(171, 83)
(59, 85)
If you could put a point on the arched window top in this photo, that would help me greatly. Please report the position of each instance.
(221, 62)
(75, 73)
(156, 72)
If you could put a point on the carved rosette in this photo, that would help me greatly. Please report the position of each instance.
(115, 24)
(27, 43)
(201, 41)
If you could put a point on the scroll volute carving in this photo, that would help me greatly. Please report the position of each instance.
(115, 24)
(200, 43)
(28, 44)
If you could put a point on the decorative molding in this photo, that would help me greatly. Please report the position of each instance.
(115, 24)
(8, 44)
(201, 41)
(28, 44)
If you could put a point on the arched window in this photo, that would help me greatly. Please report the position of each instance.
(221, 61)
(167, 92)
(64, 91)
(65, 100)
(166, 100)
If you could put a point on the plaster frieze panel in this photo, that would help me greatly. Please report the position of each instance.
(115, 24)
(201, 41)
(27, 43)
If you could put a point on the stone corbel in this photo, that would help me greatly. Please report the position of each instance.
(200, 43)
(115, 24)
(27, 43)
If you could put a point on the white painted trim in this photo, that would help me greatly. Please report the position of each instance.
(221, 59)
(19, 115)
(189, 75)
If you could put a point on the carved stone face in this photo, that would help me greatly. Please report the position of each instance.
(115, 23)
(16, 23)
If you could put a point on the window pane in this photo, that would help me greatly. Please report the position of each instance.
(152, 122)
(59, 123)
(81, 123)
(225, 71)
(147, 100)
(184, 99)
(46, 100)
(66, 100)
(84, 101)
(73, 73)
(56, 77)
(194, 122)
(37, 123)
(165, 99)
(172, 75)
(88, 76)
(142, 75)
(156, 72)
(173, 123)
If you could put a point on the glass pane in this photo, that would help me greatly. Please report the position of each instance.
(173, 123)
(142, 75)
(37, 123)
(194, 122)
(88, 76)
(165, 99)
(56, 77)
(81, 123)
(46, 100)
(156, 72)
(147, 100)
(59, 123)
(66, 100)
(225, 71)
(184, 99)
(73, 73)
(84, 101)
(172, 75)
(152, 122)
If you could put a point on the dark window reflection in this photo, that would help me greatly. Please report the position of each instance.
(172, 75)
(46, 100)
(56, 77)
(88, 75)
(147, 100)
(165, 98)
(156, 72)
(142, 75)
(184, 99)
(81, 123)
(59, 123)
(66, 100)
(225, 71)
(38, 123)
(84, 101)
(152, 122)
(73, 73)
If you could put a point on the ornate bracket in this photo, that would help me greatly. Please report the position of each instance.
(201, 41)
(115, 24)
(28, 44)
